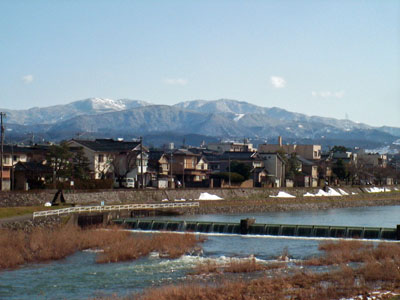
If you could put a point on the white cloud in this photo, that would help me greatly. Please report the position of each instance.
(278, 82)
(176, 81)
(27, 78)
(328, 94)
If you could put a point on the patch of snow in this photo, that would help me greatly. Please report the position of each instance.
(47, 204)
(238, 117)
(321, 193)
(207, 196)
(386, 189)
(332, 192)
(344, 193)
(283, 195)
(375, 190)
(180, 200)
(308, 195)
(353, 193)
(396, 189)
(164, 200)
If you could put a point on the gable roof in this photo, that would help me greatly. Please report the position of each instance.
(304, 161)
(108, 145)
(240, 156)
(33, 166)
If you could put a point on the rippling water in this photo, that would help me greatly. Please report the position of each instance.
(79, 277)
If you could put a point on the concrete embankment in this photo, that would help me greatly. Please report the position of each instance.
(234, 201)
(9, 199)
(27, 223)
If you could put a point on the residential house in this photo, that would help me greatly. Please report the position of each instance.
(373, 160)
(220, 162)
(31, 175)
(275, 165)
(310, 152)
(309, 173)
(231, 147)
(189, 168)
(115, 159)
(159, 167)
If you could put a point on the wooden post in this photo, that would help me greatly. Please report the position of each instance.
(398, 232)
(245, 224)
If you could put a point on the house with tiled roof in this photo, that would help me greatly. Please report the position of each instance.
(116, 159)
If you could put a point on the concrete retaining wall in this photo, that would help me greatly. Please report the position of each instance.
(138, 196)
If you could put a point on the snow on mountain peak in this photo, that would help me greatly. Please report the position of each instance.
(107, 104)
(238, 117)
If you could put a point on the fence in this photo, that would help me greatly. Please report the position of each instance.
(88, 209)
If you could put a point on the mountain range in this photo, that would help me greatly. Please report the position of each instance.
(218, 119)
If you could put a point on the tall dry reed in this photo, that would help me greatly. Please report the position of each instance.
(44, 244)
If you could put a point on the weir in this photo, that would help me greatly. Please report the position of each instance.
(248, 226)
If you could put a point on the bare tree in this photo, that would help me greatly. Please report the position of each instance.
(123, 163)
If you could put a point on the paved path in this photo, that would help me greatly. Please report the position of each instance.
(16, 219)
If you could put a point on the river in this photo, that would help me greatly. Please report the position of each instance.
(79, 277)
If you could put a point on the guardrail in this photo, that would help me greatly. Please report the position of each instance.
(81, 209)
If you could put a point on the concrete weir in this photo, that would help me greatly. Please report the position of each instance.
(248, 226)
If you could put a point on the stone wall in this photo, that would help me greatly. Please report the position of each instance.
(153, 195)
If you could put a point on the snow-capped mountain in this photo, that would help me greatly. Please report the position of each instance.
(57, 113)
(220, 118)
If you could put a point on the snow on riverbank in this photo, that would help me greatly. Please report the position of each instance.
(321, 193)
(283, 195)
(207, 196)
(378, 190)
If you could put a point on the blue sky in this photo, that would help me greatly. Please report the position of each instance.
(327, 58)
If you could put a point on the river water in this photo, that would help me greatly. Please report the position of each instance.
(79, 277)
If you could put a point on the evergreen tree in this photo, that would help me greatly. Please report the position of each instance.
(59, 158)
(340, 170)
(241, 168)
(80, 163)
(292, 166)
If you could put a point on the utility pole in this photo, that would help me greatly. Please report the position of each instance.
(229, 167)
(12, 167)
(2, 114)
(171, 147)
(141, 162)
(183, 173)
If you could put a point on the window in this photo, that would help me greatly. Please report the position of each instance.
(101, 158)
(16, 157)
(7, 159)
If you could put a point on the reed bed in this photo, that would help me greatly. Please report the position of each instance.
(234, 266)
(343, 251)
(378, 270)
(44, 244)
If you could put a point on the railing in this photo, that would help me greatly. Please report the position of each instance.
(81, 209)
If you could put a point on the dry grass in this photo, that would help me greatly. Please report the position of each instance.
(343, 251)
(44, 244)
(7, 212)
(234, 266)
(379, 270)
(169, 245)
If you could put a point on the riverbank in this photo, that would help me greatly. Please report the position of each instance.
(292, 204)
(127, 196)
